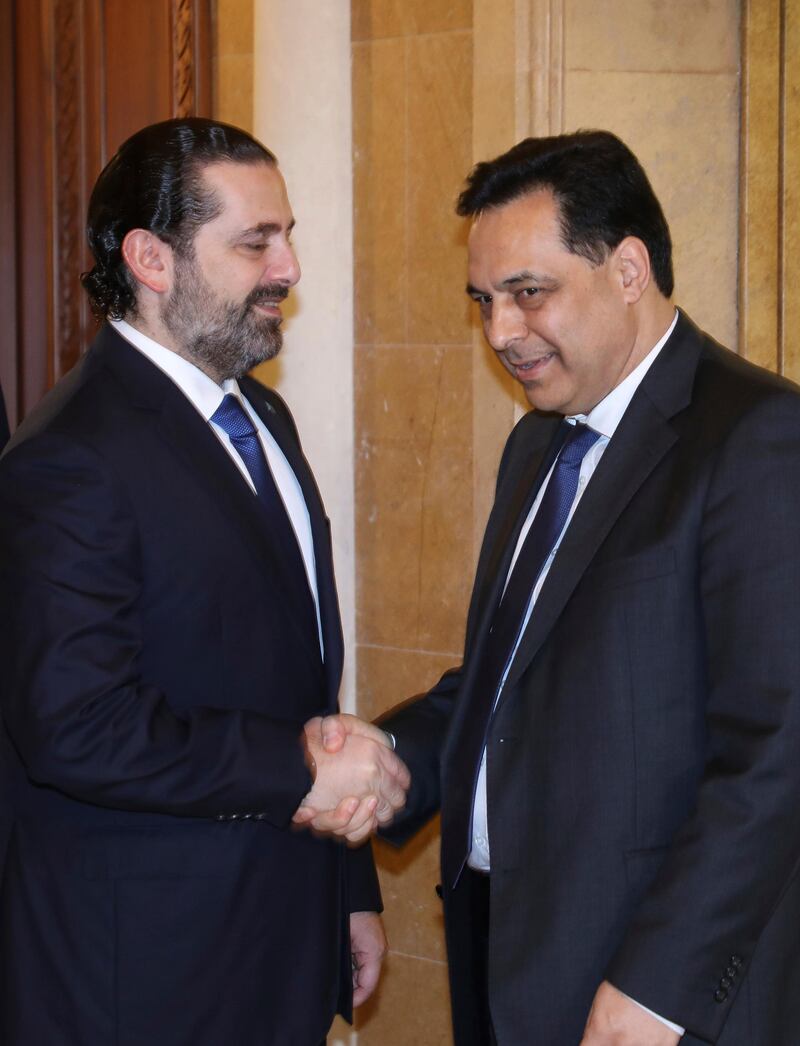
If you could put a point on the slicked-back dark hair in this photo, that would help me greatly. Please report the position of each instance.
(154, 182)
(600, 187)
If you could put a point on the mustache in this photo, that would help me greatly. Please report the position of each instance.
(270, 292)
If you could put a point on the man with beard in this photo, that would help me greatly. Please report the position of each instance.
(169, 628)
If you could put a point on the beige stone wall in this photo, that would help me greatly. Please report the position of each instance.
(412, 131)
(233, 62)
(665, 78)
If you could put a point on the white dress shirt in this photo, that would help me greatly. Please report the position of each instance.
(206, 395)
(604, 418)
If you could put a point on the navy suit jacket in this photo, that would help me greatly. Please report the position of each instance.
(643, 774)
(158, 670)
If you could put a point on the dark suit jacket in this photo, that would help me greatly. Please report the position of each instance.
(4, 433)
(643, 767)
(157, 674)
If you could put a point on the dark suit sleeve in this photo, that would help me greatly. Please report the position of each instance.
(81, 716)
(364, 894)
(420, 727)
(687, 949)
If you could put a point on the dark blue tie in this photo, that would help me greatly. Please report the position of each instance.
(501, 642)
(544, 532)
(233, 419)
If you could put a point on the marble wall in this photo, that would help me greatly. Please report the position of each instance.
(412, 133)
(665, 77)
(233, 62)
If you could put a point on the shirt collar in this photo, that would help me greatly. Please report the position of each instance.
(606, 416)
(203, 392)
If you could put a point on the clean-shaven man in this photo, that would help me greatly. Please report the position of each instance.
(616, 759)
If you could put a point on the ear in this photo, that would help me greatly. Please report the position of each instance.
(633, 267)
(149, 259)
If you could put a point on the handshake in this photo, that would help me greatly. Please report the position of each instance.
(359, 783)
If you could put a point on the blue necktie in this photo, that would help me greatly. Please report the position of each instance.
(544, 532)
(501, 642)
(233, 419)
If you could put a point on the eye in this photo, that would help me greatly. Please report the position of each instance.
(258, 247)
(529, 297)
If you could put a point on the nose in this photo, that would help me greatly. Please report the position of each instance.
(505, 325)
(284, 266)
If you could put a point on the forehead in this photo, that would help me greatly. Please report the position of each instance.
(522, 234)
(251, 194)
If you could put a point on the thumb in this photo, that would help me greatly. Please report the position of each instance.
(334, 733)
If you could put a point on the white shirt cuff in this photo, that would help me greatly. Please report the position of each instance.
(675, 1027)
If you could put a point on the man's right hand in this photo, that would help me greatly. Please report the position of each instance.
(358, 780)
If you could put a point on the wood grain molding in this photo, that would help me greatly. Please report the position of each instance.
(545, 46)
(769, 199)
(80, 77)
(67, 162)
(183, 57)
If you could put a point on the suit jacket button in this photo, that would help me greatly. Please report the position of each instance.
(731, 971)
(720, 995)
(725, 982)
(736, 960)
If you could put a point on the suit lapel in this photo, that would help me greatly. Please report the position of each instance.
(286, 439)
(504, 526)
(626, 463)
(193, 442)
(645, 434)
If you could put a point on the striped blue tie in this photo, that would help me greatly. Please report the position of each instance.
(234, 420)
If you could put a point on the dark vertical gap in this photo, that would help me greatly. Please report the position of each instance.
(781, 182)
(103, 84)
(9, 334)
(742, 181)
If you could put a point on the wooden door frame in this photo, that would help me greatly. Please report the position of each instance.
(54, 111)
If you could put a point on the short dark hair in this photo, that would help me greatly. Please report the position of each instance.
(600, 187)
(154, 182)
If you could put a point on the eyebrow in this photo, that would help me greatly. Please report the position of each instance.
(267, 228)
(524, 276)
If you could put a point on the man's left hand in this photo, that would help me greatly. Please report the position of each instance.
(368, 946)
(616, 1020)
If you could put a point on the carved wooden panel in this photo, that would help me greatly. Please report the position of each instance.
(8, 208)
(769, 252)
(69, 197)
(87, 73)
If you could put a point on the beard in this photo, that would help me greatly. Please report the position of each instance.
(225, 339)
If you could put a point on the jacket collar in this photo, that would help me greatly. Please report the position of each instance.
(644, 435)
(190, 438)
